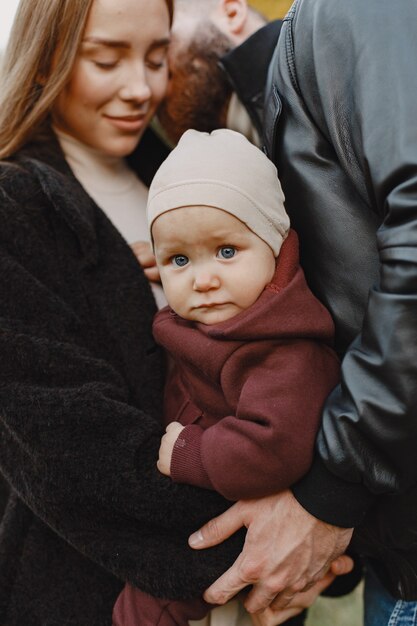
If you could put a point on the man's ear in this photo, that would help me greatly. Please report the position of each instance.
(232, 18)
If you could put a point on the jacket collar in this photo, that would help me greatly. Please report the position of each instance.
(45, 159)
(286, 309)
(247, 68)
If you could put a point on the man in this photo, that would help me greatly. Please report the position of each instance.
(346, 148)
(219, 57)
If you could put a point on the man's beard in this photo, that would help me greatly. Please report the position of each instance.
(199, 90)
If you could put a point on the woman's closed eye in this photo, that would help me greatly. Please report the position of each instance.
(105, 65)
(157, 58)
(156, 65)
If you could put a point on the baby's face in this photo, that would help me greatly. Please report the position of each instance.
(212, 266)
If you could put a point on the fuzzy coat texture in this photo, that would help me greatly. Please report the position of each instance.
(80, 404)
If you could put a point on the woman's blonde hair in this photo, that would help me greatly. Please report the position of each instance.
(37, 64)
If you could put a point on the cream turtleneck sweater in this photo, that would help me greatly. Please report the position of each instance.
(114, 187)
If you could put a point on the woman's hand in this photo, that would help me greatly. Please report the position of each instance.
(173, 430)
(143, 252)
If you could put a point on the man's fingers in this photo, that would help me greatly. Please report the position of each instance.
(260, 598)
(304, 599)
(321, 585)
(342, 565)
(277, 594)
(217, 529)
(255, 603)
(225, 587)
(273, 618)
(279, 599)
(307, 597)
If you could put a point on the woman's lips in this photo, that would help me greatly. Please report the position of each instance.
(129, 123)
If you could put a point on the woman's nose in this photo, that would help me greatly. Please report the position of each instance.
(205, 280)
(136, 86)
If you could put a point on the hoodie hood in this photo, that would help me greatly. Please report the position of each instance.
(286, 310)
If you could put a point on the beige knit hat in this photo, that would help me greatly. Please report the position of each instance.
(224, 170)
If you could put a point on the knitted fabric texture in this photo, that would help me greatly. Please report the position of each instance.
(223, 170)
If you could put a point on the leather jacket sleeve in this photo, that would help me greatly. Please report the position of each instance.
(346, 150)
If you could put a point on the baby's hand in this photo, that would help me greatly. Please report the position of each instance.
(143, 252)
(172, 433)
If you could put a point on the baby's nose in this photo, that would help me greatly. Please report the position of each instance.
(205, 280)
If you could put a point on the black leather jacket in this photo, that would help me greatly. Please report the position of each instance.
(246, 68)
(341, 125)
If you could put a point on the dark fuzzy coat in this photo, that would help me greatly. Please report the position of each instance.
(80, 401)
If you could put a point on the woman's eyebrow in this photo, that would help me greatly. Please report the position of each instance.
(113, 43)
(160, 43)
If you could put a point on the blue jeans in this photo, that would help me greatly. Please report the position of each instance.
(382, 609)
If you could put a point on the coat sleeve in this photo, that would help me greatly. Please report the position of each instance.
(363, 84)
(82, 458)
(267, 444)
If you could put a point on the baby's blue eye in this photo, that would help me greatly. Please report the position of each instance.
(227, 252)
(180, 260)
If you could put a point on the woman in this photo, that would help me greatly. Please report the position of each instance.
(80, 377)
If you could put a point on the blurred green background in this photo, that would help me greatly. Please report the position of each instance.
(346, 611)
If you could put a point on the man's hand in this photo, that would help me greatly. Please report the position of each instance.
(143, 252)
(167, 445)
(286, 550)
(303, 600)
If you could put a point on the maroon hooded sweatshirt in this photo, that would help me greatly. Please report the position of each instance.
(250, 392)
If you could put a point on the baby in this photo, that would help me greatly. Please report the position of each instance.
(251, 345)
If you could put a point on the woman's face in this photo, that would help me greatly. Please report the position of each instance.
(119, 76)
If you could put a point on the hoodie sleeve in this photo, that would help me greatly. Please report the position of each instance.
(268, 443)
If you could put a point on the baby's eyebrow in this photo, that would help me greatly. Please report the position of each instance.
(167, 249)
